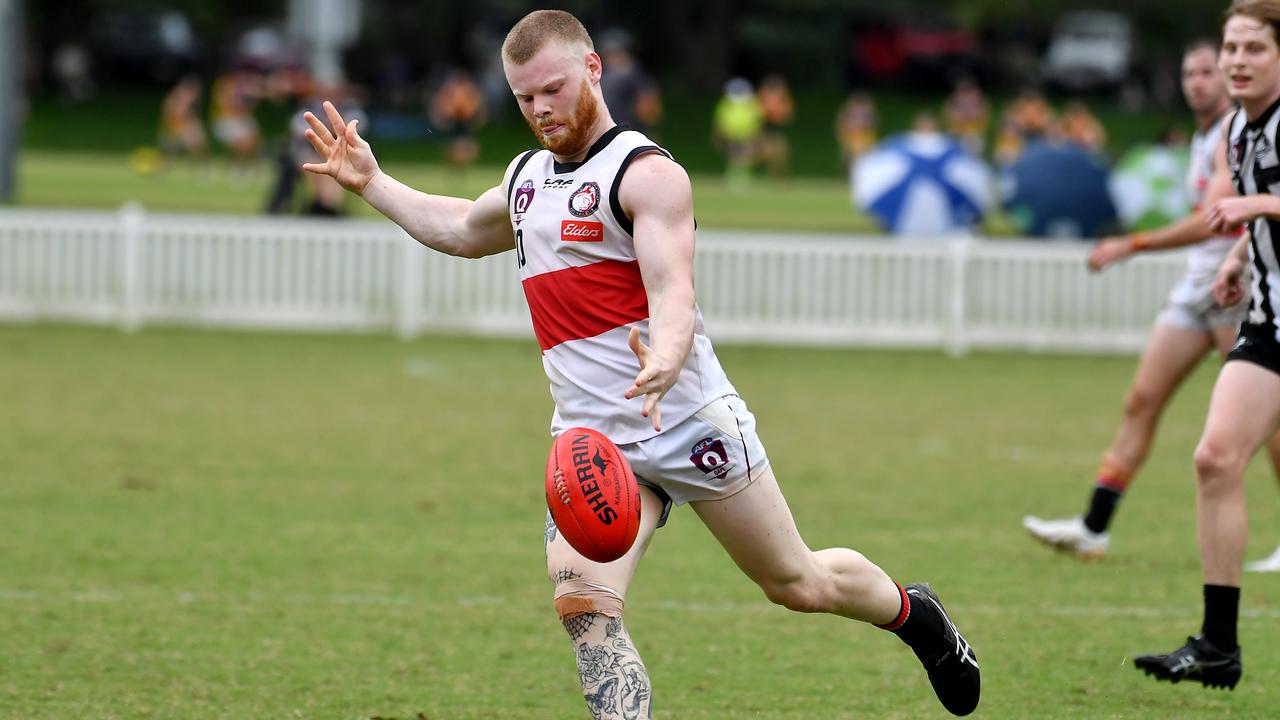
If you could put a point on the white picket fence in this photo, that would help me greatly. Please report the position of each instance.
(132, 269)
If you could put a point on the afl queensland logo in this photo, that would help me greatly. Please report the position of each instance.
(523, 198)
(585, 200)
(710, 457)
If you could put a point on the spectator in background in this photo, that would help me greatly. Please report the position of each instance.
(289, 85)
(630, 93)
(325, 197)
(736, 128)
(234, 96)
(967, 115)
(457, 111)
(778, 108)
(1079, 126)
(71, 68)
(856, 126)
(1028, 119)
(181, 130)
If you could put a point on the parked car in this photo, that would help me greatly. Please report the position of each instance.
(1089, 50)
(917, 48)
(153, 46)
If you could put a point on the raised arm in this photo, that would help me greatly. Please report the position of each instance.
(450, 225)
(657, 196)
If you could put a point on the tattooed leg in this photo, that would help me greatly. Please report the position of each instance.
(614, 681)
(589, 599)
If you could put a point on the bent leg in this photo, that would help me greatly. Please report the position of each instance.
(756, 528)
(1168, 358)
(589, 598)
(1243, 414)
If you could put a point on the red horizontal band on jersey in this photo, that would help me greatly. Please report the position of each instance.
(582, 302)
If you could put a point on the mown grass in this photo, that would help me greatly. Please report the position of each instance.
(232, 525)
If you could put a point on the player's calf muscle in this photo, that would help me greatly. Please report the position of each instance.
(615, 683)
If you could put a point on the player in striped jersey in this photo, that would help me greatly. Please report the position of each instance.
(602, 225)
(1245, 410)
(1189, 327)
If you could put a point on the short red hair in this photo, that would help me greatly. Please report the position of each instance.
(538, 28)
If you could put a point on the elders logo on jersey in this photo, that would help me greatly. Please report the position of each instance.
(710, 457)
(581, 231)
(585, 200)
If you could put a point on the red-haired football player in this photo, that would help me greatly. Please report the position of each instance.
(602, 225)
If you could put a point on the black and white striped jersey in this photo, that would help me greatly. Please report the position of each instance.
(1255, 168)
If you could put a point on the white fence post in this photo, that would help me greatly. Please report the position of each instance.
(958, 315)
(131, 219)
(409, 300)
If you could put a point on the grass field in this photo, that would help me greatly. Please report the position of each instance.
(223, 525)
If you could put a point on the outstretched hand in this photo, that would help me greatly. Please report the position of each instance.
(1107, 251)
(348, 158)
(655, 379)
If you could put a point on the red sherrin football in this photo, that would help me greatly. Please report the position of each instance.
(592, 494)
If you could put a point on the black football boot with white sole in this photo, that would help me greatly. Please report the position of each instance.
(1199, 661)
(952, 665)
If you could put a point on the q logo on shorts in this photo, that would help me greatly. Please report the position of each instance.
(710, 457)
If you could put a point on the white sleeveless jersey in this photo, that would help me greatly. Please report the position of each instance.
(1205, 257)
(582, 282)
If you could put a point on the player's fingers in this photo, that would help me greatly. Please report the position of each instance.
(637, 347)
(315, 141)
(335, 117)
(317, 168)
(644, 383)
(657, 415)
(650, 402)
(322, 133)
(353, 135)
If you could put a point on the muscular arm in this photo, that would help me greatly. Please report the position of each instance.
(656, 194)
(450, 225)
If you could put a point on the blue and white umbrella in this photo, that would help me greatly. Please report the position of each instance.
(922, 184)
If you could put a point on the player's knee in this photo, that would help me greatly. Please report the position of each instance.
(576, 597)
(1216, 464)
(1141, 401)
(799, 593)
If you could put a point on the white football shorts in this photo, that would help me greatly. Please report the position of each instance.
(710, 456)
(1191, 307)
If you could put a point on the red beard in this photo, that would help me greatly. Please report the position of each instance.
(576, 130)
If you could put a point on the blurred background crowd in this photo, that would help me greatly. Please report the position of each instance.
(1009, 118)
